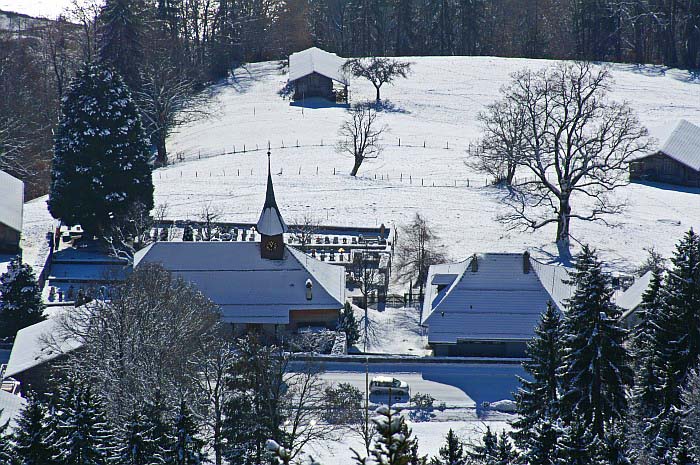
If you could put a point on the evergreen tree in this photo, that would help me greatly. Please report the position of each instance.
(20, 298)
(485, 452)
(348, 324)
(537, 400)
(452, 453)
(505, 454)
(393, 442)
(6, 449)
(120, 39)
(101, 173)
(615, 447)
(576, 446)
(542, 444)
(188, 445)
(158, 437)
(84, 435)
(32, 435)
(595, 373)
(136, 448)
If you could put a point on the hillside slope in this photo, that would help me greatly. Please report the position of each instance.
(437, 106)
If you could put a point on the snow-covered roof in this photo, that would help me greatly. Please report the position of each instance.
(270, 222)
(10, 406)
(631, 298)
(39, 343)
(499, 301)
(247, 287)
(683, 144)
(11, 201)
(315, 60)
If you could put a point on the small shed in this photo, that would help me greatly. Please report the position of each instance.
(314, 73)
(676, 162)
(11, 210)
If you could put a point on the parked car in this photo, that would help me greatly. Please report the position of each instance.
(386, 384)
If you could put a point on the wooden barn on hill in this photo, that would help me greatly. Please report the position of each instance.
(676, 162)
(314, 73)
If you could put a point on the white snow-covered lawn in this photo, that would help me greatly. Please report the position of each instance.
(437, 104)
(393, 331)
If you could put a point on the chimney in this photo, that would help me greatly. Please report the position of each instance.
(309, 286)
(475, 264)
(526, 262)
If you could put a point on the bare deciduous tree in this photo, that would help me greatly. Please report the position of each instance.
(138, 345)
(304, 231)
(416, 250)
(378, 70)
(131, 233)
(360, 136)
(209, 215)
(579, 144)
(502, 145)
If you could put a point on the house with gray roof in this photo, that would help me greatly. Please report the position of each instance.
(267, 285)
(313, 72)
(676, 162)
(489, 304)
(11, 210)
(630, 299)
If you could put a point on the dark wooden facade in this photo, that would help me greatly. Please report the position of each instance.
(660, 167)
(313, 85)
(9, 239)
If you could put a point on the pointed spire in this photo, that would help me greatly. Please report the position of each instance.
(271, 222)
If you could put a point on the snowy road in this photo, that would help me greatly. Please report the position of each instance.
(457, 385)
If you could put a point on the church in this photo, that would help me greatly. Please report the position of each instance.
(266, 285)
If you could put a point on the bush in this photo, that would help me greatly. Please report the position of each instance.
(423, 401)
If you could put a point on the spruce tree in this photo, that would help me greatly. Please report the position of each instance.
(120, 39)
(541, 447)
(348, 324)
(20, 298)
(135, 447)
(101, 173)
(505, 453)
(537, 399)
(32, 435)
(596, 371)
(158, 437)
(393, 441)
(452, 453)
(6, 449)
(615, 448)
(85, 438)
(485, 452)
(188, 445)
(576, 446)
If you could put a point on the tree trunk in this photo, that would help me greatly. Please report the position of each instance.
(563, 239)
(162, 157)
(377, 87)
(356, 166)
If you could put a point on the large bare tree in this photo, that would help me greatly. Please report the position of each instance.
(417, 248)
(360, 136)
(378, 70)
(503, 142)
(579, 143)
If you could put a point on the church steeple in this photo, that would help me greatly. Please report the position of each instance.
(271, 225)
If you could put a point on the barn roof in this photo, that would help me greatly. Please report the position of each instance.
(11, 201)
(499, 301)
(631, 298)
(315, 60)
(683, 144)
(247, 287)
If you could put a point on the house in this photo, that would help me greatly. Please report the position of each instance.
(266, 285)
(489, 304)
(630, 300)
(676, 162)
(313, 72)
(11, 207)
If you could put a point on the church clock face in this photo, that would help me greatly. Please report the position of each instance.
(271, 245)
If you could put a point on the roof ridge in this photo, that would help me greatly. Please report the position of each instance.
(294, 252)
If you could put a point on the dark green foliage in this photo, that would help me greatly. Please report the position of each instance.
(188, 443)
(349, 324)
(20, 298)
(343, 404)
(486, 451)
(390, 448)
(32, 436)
(542, 444)
(136, 447)
(576, 446)
(596, 368)
(158, 434)
(120, 39)
(538, 399)
(505, 453)
(452, 453)
(101, 174)
(6, 452)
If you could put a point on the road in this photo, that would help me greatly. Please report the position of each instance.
(457, 385)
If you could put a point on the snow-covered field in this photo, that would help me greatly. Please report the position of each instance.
(437, 106)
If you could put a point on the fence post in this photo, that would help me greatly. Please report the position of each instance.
(243, 148)
(401, 177)
(297, 142)
(448, 145)
(321, 142)
(424, 144)
(199, 155)
(410, 178)
(421, 181)
(333, 171)
(195, 174)
(300, 171)
(399, 142)
(316, 170)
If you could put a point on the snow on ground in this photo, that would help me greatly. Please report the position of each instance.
(37, 222)
(40, 8)
(393, 331)
(436, 105)
(431, 436)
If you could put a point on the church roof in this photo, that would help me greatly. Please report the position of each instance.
(247, 287)
(271, 222)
